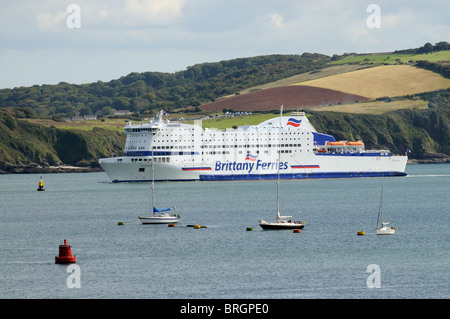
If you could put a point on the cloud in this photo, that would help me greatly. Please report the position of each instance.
(51, 22)
(153, 12)
(169, 35)
(276, 20)
(51, 15)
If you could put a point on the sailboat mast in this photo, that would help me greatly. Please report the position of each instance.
(382, 197)
(153, 182)
(278, 166)
(380, 212)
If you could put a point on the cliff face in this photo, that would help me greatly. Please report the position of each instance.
(25, 147)
(426, 133)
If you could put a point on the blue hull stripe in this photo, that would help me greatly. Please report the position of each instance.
(288, 176)
(372, 154)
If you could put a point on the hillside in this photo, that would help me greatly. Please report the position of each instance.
(425, 132)
(28, 147)
(291, 97)
(147, 92)
(381, 81)
(351, 78)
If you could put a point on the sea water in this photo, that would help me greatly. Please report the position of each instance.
(224, 260)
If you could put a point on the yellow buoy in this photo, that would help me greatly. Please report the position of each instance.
(120, 223)
(41, 185)
(249, 228)
(361, 233)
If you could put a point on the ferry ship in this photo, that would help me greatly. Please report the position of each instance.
(187, 152)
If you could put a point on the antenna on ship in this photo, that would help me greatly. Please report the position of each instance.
(281, 112)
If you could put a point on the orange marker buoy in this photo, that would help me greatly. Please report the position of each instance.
(296, 231)
(171, 225)
(65, 254)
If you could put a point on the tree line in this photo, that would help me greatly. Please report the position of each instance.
(427, 48)
(146, 91)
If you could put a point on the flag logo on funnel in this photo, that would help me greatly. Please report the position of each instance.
(293, 122)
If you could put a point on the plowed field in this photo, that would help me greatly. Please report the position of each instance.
(291, 97)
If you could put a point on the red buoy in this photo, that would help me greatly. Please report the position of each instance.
(65, 254)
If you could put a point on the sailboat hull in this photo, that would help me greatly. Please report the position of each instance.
(159, 219)
(274, 226)
(385, 231)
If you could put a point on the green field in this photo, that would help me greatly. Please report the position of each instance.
(392, 58)
(375, 107)
(229, 122)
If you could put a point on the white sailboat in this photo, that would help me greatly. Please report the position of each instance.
(383, 228)
(281, 222)
(159, 216)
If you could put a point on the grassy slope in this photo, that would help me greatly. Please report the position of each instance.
(393, 58)
(381, 81)
(375, 107)
(324, 72)
(23, 143)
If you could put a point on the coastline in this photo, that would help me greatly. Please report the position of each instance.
(37, 169)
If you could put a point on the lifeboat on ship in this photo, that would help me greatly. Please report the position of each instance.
(357, 143)
(340, 143)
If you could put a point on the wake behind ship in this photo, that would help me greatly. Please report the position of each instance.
(183, 152)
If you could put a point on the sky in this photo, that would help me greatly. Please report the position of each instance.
(84, 41)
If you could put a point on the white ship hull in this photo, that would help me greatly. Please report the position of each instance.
(323, 167)
(183, 152)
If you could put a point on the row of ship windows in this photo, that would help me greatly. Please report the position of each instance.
(230, 146)
(221, 134)
(203, 153)
(215, 140)
(177, 139)
(167, 159)
(157, 159)
(216, 146)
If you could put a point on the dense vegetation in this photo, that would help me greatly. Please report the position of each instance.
(23, 144)
(442, 69)
(144, 92)
(427, 48)
(425, 132)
